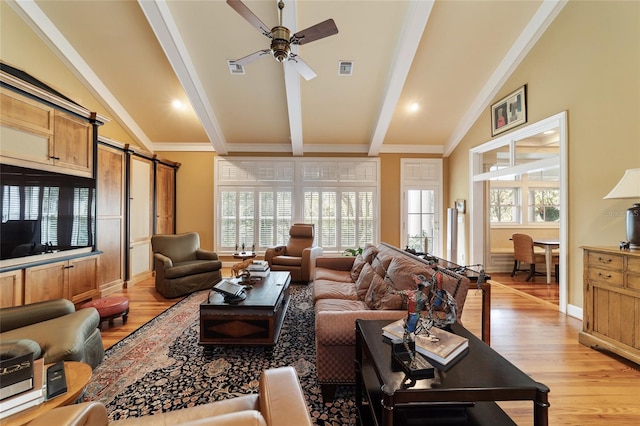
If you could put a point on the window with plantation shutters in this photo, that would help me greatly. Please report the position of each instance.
(259, 200)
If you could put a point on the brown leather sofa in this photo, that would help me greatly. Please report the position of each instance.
(280, 402)
(298, 256)
(350, 288)
(54, 330)
(182, 267)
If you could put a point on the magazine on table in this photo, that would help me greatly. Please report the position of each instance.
(228, 288)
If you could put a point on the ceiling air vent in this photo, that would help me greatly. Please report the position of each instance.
(345, 67)
(234, 68)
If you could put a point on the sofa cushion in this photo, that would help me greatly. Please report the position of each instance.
(325, 289)
(380, 295)
(333, 275)
(192, 267)
(401, 269)
(338, 305)
(364, 281)
(287, 260)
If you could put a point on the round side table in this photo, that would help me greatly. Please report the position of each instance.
(244, 255)
(77, 374)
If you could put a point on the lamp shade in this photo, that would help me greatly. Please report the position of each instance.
(628, 187)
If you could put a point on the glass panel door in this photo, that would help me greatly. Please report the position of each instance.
(421, 220)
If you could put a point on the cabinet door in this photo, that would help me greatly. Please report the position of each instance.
(141, 223)
(11, 290)
(73, 143)
(165, 199)
(111, 218)
(26, 130)
(82, 279)
(46, 282)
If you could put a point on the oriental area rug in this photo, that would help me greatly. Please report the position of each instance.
(161, 367)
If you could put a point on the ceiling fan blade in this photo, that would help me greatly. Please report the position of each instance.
(316, 32)
(247, 14)
(250, 58)
(301, 66)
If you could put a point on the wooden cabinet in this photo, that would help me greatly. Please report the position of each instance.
(73, 279)
(611, 312)
(36, 135)
(11, 289)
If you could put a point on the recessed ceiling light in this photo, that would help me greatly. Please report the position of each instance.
(413, 107)
(177, 104)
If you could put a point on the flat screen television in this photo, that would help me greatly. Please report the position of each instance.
(44, 212)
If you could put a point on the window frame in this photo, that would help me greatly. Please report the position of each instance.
(300, 176)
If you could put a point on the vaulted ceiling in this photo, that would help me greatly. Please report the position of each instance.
(447, 59)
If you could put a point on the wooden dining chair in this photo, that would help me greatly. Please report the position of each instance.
(523, 253)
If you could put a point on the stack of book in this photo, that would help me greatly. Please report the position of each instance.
(258, 269)
(439, 345)
(29, 398)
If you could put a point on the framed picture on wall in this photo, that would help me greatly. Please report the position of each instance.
(461, 206)
(509, 112)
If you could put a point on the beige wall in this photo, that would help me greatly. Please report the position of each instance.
(194, 194)
(587, 63)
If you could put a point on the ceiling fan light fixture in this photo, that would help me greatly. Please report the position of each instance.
(280, 45)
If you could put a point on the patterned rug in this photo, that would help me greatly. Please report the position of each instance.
(161, 367)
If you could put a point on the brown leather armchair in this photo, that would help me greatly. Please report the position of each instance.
(280, 402)
(299, 255)
(182, 267)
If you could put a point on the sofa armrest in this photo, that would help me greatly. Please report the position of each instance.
(21, 316)
(338, 263)
(85, 413)
(339, 327)
(206, 255)
(281, 398)
(309, 256)
(271, 252)
(162, 261)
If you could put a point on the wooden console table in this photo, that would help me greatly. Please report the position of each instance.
(612, 301)
(469, 388)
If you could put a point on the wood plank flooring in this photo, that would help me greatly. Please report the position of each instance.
(587, 387)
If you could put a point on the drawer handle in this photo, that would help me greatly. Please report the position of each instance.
(54, 157)
(605, 276)
(601, 260)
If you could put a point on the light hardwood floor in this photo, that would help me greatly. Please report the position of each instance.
(587, 387)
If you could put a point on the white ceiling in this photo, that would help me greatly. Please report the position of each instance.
(451, 57)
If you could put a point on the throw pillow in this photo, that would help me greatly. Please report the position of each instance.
(369, 252)
(400, 271)
(380, 264)
(380, 296)
(358, 264)
(364, 281)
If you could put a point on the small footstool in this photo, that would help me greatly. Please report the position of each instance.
(110, 308)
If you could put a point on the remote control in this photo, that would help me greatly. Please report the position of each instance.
(56, 380)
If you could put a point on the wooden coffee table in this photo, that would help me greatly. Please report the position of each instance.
(78, 375)
(257, 320)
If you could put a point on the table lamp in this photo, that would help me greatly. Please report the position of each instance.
(629, 187)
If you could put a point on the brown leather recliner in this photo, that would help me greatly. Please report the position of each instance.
(182, 267)
(280, 402)
(298, 257)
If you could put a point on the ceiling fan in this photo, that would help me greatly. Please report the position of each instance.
(281, 38)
